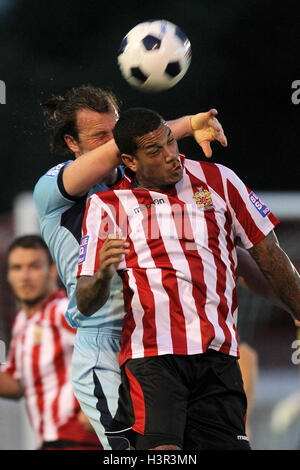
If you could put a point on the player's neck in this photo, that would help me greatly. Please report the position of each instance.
(31, 307)
(149, 187)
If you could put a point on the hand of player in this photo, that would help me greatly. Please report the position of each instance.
(206, 128)
(111, 254)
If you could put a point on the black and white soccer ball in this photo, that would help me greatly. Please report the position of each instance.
(154, 55)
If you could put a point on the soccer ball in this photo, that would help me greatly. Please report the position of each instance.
(154, 55)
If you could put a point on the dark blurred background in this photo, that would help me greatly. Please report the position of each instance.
(245, 58)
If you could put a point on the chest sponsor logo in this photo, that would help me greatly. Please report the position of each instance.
(203, 198)
(259, 205)
(83, 249)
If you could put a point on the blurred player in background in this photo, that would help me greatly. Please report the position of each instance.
(181, 384)
(82, 122)
(287, 410)
(248, 362)
(38, 366)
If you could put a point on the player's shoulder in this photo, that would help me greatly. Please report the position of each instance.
(48, 194)
(189, 163)
(59, 297)
(109, 196)
(19, 321)
(209, 167)
(58, 302)
(53, 172)
(49, 178)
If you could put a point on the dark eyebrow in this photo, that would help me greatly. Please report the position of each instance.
(155, 145)
(150, 146)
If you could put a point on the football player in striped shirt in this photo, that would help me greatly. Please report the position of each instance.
(38, 366)
(81, 124)
(170, 228)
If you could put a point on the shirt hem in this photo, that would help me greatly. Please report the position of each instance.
(138, 355)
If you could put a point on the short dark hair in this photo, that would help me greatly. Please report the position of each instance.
(132, 123)
(30, 242)
(60, 112)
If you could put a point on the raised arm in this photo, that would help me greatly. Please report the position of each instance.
(90, 168)
(279, 271)
(93, 166)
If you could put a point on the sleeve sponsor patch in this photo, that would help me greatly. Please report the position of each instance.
(83, 249)
(55, 169)
(259, 205)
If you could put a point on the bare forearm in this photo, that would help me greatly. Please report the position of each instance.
(91, 294)
(285, 281)
(280, 272)
(90, 168)
(251, 278)
(10, 387)
(181, 127)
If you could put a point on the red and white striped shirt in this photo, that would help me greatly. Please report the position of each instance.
(40, 358)
(179, 276)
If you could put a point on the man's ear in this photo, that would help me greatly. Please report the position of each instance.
(71, 143)
(129, 161)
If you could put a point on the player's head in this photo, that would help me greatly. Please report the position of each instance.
(31, 272)
(148, 148)
(81, 120)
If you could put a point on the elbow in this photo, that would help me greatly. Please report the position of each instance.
(82, 306)
(88, 298)
(19, 395)
(82, 302)
(87, 307)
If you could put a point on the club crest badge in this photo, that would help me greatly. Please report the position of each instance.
(203, 198)
(37, 334)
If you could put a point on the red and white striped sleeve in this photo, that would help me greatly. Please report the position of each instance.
(252, 220)
(98, 223)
